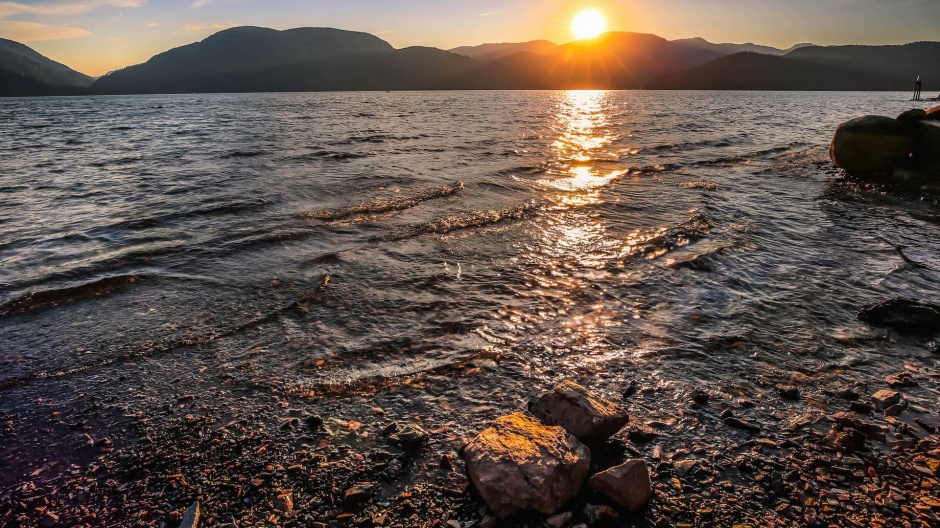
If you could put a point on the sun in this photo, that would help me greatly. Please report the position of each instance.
(589, 24)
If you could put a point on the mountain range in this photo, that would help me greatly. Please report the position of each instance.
(252, 59)
(23, 71)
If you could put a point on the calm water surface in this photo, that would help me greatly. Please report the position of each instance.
(312, 242)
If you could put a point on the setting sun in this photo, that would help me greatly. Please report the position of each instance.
(589, 24)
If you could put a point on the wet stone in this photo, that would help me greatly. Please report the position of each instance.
(359, 493)
(629, 484)
(743, 425)
(789, 392)
(885, 398)
(580, 412)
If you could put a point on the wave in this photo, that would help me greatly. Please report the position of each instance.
(330, 154)
(471, 220)
(380, 206)
(651, 245)
(41, 300)
(246, 153)
(743, 158)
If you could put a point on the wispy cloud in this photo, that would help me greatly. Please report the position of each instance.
(73, 7)
(201, 3)
(32, 31)
(208, 27)
(35, 32)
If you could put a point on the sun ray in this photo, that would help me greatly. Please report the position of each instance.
(589, 24)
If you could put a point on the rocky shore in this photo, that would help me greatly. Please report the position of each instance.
(713, 457)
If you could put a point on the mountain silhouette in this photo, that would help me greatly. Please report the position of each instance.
(253, 59)
(836, 68)
(23, 71)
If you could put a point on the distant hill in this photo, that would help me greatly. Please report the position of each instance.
(23, 71)
(730, 49)
(252, 59)
(610, 61)
(491, 52)
(838, 68)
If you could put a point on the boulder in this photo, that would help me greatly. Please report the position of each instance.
(871, 144)
(628, 485)
(581, 413)
(933, 113)
(906, 316)
(519, 464)
(927, 146)
(913, 116)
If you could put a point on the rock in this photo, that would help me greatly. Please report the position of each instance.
(631, 390)
(933, 113)
(913, 116)
(629, 485)
(410, 436)
(519, 464)
(562, 520)
(683, 467)
(850, 439)
(191, 517)
(284, 503)
(903, 380)
(581, 413)
(929, 423)
(927, 147)
(871, 144)
(904, 315)
(642, 434)
(50, 520)
(789, 392)
(700, 397)
(359, 493)
(595, 514)
(736, 423)
(885, 398)
(314, 422)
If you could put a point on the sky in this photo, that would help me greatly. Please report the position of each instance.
(97, 36)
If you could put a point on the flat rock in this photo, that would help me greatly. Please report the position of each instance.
(871, 144)
(191, 517)
(519, 464)
(886, 398)
(580, 412)
(907, 316)
(628, 485)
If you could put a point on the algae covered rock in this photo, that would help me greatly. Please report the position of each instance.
(580, 412)
(519, 464)
(871, 144)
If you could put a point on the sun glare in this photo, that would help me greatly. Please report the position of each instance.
(589, 24)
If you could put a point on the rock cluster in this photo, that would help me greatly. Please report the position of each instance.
(538, 461)
(906, 147)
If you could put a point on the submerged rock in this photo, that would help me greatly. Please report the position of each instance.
(580, 412)
(871, 144)
(191, 517)
(519, 464)
(629, 485)
(904, 315)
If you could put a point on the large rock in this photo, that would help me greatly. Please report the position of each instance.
(191, 517)
(933, 113)
(913, 116)
(629, 485)
(519, 464)
(904, 315)
(581, 413)
(927, 147)
(871, 144)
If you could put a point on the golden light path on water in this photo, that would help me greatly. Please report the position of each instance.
(576, 243)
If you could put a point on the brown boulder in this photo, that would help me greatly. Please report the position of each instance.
(519, 464)
(581, 413)
(871, 144)
(629, 485)
(933, 113)
(912, 116)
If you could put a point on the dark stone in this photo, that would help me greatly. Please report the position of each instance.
(580, 412)
(789, 392)
(358, 494)
(862, 408)
(700, 397)
(926, 152)
(631, 390)
(904, 315)
(871, 144)
(933, 113)
(315, 422)
(736, 423)
(913, 116)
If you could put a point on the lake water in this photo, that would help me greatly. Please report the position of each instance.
(311, 244)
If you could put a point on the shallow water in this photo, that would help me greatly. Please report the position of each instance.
(317, 242)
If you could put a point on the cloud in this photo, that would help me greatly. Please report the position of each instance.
(208, 27)
(27, 32)
(200, 3)
(69, 7)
